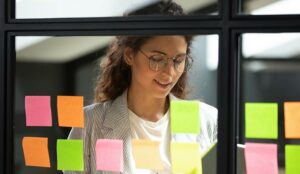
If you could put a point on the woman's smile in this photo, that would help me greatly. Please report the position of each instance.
(163, 84)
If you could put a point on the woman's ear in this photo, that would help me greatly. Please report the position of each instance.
(128, 55)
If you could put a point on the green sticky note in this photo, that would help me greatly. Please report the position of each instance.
(261, 120)
(292, 158)
(185, 117)
(70, 155)
(186, 158)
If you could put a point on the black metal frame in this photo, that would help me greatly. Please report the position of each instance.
(228, 24)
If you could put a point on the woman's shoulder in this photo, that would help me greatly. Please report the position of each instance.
(209, 114)
(208, 109)
(96, 106)
(96, 110)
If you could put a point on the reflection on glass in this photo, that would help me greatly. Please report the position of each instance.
(270, 7)
(69, 66)
(270, 73)
(96, 8)
(270, 45)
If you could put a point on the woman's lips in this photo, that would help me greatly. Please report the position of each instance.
(163, 84)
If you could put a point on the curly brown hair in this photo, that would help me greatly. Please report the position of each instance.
(115, 73)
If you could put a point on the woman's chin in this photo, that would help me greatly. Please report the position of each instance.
(161, 94)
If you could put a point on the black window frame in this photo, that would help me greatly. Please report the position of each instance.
(228, 24)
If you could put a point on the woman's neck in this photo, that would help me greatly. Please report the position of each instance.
(146, 106)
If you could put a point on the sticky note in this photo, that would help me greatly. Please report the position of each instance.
(70, 111)
(261, 120)
(186, 158)
(197, 170)
(38, 111)
(70, 155)
(261, 158)
(36, 151)
(109, 155)
(146, 154)
(185, 117)
(292, 119)
(292, 158)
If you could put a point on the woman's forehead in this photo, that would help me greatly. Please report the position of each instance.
(163, 43)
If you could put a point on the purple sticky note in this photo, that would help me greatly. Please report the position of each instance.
(261, 158)
(109, 155)
(38, 111)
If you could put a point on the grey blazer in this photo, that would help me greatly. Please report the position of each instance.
(109, 120)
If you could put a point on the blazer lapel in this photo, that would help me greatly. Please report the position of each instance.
(117, 126)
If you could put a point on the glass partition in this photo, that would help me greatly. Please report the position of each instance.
(268, 127)
(270, 7)
(48, 68)
(32, 9)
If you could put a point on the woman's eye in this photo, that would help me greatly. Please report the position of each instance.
(180, 59)
(177, 61)
(157, 58)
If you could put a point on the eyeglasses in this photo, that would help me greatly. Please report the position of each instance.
(160, 61)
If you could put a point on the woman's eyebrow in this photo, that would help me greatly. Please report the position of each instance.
(161, 52)
(157, 51)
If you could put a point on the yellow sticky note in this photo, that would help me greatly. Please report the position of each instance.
(36, 151)
(146, 154)
(292, 119)
(186, 158)
(70, 111)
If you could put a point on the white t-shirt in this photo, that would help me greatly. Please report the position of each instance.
(155, 131)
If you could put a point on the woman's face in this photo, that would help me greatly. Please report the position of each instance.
(157, 83)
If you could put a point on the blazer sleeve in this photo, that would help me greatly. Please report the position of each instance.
(209, 125)
(212, 122)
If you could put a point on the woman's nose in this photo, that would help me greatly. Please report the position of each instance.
(169, 66)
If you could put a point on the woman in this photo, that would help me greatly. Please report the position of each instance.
(139, 77)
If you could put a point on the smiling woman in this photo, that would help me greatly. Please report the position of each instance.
(126, 60)
(149, 79)
(139, 78)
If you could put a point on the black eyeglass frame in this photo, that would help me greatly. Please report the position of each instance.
(166, 61)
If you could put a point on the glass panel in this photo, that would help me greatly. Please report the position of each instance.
(68, 66)
(270, 81)
(270, 7)
(26, 9)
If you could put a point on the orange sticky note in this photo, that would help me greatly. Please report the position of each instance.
(36, 151)
(292, 119)
(146, 154)
(70, 111)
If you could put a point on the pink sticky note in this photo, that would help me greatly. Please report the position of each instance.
(261, 158)
(109, 155)
(38, 111)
